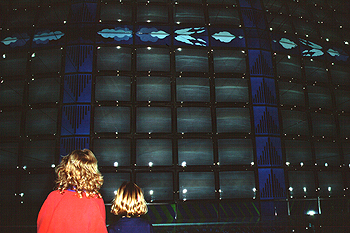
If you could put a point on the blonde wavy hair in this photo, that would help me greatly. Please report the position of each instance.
(129, 201)
(78, 171)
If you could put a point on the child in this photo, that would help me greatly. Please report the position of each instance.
(130, 204)
(76, 205)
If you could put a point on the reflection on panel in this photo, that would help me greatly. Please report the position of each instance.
(189, 14)
(115, 88)
(344, 123)
(11, 92)
(153, 89)
(189, 150)
(342, 99)
(152, 13)
(196, 185)
(112, 152)
(111, 184)
(44, 90)
(298, 152)
(193, 119)
(288, 66)
(223, 16)
(116, 12)
(301, 184)
(346, 152)
(327, 153)
(156, 189)
(36, 187)
(153, 119)
(113, 58)
(112, 119)
(39, 154)
(291, 94)
(233, 120)
(231, 90)
(192, 89)
(295, 122)
(154, 152)
(17, 62)
(319, 97)
(235, 151)
(8, 155)
(330, 183)
(195, 60)
(340, 74)
(153, 59)
(44, 61)
(10, 123)
(237, 184)
(229, 61)
(41, 121)
(315, 71)
(323, 124)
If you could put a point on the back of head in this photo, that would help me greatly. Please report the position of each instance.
(78, 171)
(129, 201)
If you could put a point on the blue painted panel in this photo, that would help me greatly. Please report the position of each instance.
(68, 144)
(250, 3)
(253, 18)
(268, 150)
(79, 58)
(279, 185)
(263, 91)
(83, 12)
(77, 88)
(266, 120)
(265, 183)
(260, 63)
(76, 120)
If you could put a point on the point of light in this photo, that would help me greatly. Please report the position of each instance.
(115, 192)
(252, 163)
(150, 164)
(329, 189)
(115, 164)
(151, 192)
(183, 164)
(304, 189)
(53, 165)
(301, 164)
(254, 189)
(291, 189)
(4, 56)
(149, 48)
(311, 212)
(184, 191)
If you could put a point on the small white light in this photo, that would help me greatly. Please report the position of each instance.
(304, 189)
(179, 49)
(301, 164)
(220, 191)
(118, 47)
(177, 22)
(33, 54)
(64, 21)
(254, 189)
(289, 56)
(346, 42)
(327, 39)
(119, 20)
(311, 212)
(291, 189)
(326, 164)
(21, 194)
(149, 48)
(24, 167)
(287, 163)
(150, 164)
(184, 191)
(183, 164)
(148, 21)
(53, 165)
(329, 189)
(4, 55)
(252, 163)
(151, 192)
(115, 164)
(115, 192)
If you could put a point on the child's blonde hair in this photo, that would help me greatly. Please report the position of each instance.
(129, 201)
(78, 171)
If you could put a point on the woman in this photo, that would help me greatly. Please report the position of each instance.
(76, 205)
(130, 204)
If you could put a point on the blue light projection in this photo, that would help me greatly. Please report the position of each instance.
(44, 37)
(118, 33)
(18, 39)
(287, 43)
(339, 54)
(151, 34)
(224, 37)
(192, 36)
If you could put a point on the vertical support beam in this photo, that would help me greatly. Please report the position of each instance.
(265, 109)
(77, 79)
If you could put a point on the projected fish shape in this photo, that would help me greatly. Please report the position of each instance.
(187, 35)
(339, 54)
(46, 36)
(224, 37)
(287, 43)
(151, 34)
(316, 50)
(18, 39)
(118, 33)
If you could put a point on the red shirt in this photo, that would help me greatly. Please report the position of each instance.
(68, 213)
